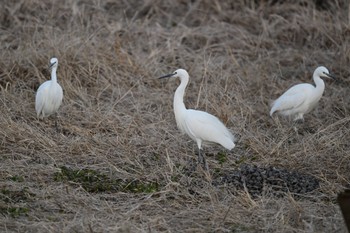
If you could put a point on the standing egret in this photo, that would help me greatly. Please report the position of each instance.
(200, 126)
(49, 95)
(301, 98)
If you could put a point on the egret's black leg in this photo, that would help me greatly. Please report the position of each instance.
(299, 121)
(202, 160)
(56, 125)
(205, 164)
(199, 156)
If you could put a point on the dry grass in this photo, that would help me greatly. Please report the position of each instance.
(117, 121)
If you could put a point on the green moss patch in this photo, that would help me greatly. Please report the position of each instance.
(14, 212)
(10, 196)
(93, 181)
(17, 178)
(9, 200)
(221, 157)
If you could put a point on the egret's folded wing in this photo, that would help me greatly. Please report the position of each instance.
(40, 98)
(205, 126)
(289, 101)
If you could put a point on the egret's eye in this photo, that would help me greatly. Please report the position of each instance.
(175, 73)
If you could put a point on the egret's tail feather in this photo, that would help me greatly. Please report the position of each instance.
(274, 108)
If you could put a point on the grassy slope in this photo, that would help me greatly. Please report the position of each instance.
(117, 119)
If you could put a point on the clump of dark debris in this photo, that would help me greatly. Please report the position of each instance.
(277, 180)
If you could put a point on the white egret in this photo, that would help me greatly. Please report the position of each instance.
(198, 125)
(49, 95)
(302, 98)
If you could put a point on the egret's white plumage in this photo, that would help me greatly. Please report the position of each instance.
(200, 126)
(302, 98)
(49, 95)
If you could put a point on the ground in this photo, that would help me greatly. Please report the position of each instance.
(118, 163)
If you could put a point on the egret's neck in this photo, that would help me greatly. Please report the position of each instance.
(179, 106)
(319, 84)
(53, 75)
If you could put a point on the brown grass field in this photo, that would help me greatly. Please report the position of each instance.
(118, 163)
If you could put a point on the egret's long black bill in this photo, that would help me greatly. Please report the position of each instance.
(331, 76)
(167, 76)
(52, 65)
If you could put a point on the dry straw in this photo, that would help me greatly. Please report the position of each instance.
(126, 163)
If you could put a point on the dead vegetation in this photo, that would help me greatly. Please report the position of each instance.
(118, 163)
